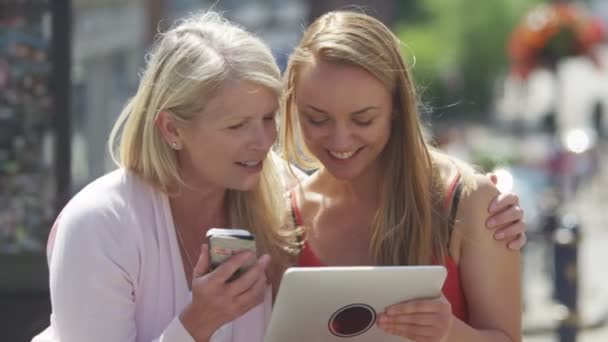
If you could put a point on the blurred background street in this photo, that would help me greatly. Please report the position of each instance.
(517, 87)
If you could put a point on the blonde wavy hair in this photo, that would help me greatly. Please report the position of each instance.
(185, 69)
(410, 226)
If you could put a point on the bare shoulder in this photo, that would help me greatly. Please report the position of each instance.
(479, 190)
(469, 228)
(477, 193)
(487, 267)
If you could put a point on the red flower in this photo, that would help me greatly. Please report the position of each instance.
(549, 33)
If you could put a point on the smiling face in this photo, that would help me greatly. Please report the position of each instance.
(345, 115)
(226, 145)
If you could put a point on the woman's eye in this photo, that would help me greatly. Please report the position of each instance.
(236, 126)
(363, 122)
(316, 122)
(269, 118)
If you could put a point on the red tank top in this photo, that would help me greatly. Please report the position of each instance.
(452, 288)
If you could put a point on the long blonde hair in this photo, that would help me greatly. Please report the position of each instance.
(185, 69)
(410, 225)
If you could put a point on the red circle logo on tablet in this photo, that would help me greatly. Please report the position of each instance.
(352, 320)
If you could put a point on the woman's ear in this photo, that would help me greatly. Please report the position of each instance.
(168, 129)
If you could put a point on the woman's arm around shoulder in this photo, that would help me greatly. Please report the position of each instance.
(491, 274)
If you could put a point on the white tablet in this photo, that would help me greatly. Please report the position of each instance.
(341, 303)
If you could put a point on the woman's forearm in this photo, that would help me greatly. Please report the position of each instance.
(461, 331)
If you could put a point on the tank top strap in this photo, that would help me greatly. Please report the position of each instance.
(295, 210)
(453, 197)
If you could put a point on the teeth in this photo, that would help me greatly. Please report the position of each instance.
(251, 163)
(342, 155)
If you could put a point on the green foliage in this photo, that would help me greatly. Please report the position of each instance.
(412, 12)
(460, 49)
(486, 162)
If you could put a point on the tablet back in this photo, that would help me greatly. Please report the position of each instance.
(341, 303)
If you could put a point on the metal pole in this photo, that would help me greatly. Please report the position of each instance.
(567, 238)
(61, 57)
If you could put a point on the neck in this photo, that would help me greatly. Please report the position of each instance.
(195, 212)
(363, 189)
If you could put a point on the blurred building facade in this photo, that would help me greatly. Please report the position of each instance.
(108, 42)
